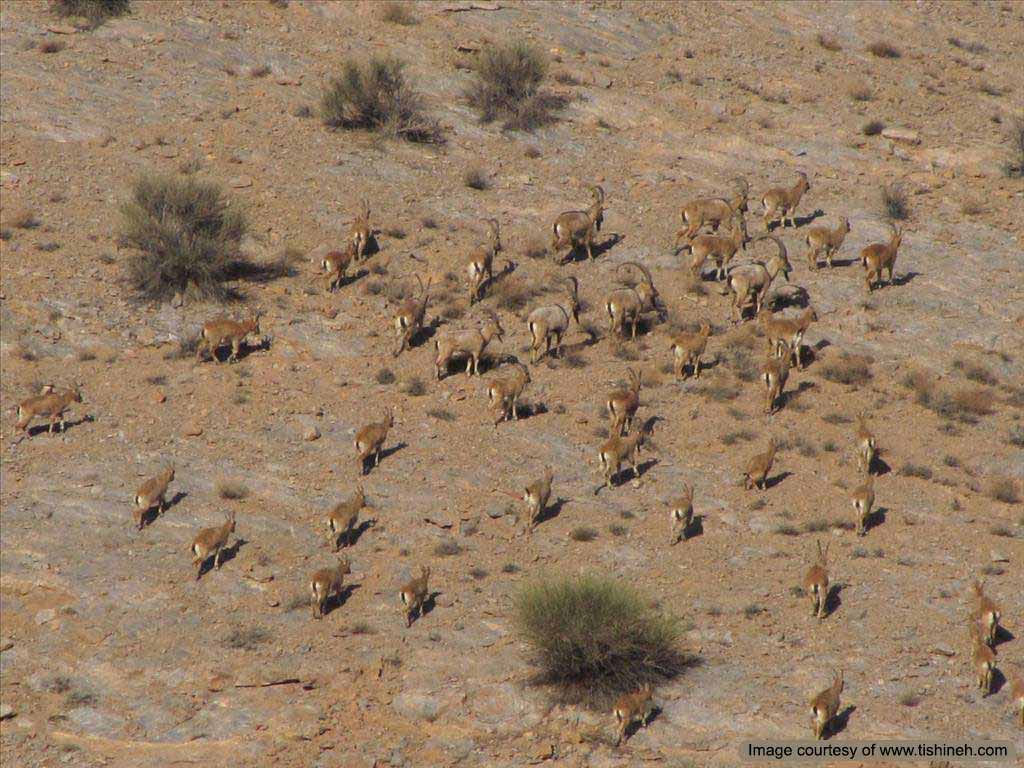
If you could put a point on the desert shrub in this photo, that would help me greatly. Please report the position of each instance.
(916, 470)
(476, 178)
(24, 218)
(506, 87)
(731, 438)
(1016, 436)
(873, 128)
(1013, 166)
(583, 533)
(816, 526)
(1001, 530)
(414, 387)
(514, 294)
(1002, 489)
(51, 46)
(847, 369)
(229, 489)
(447, 548)
(478, 573)
(186, 237)
(375, 96)
(884, 50)
(970, 47)
(979, 373)
(594, 638)
(510, 568)
(429, 222)
(532, 152)
(785, 529)
(441, 414)
(384, 376)
(246, 638)
(94, 11)
(535, 247)
(894, 203)
(752, 610)
(829, 42)
(397, 12)
(860, 92)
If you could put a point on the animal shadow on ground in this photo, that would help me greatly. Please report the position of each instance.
(876, 518)
(358, 531)
(790, 396)
(529, 410)
(803, 221)
(227, 554)
(839, 722)
(151, 514)
(429, 603)
(998, 681)
(69, 424)
(879, 466)
(771, 482)
(904, 278)
(833, 600)
(552, 510)
(635, 725)
(579, 253)
(1003, 635)
(339, 599)
(695, 528)
(787, 296)
(368, 464)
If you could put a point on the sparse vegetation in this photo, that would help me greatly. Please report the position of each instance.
(384, 376)
(909, 699)
(1013, 166)
(847, 368)
(231, 490)
(398, 12)
(51, 46)
(510, 568)
(478, 573)
(1002, 489)
(95, 12)
(895, 205)
(507, 87)
(441, 414)
(476, 178)
(246, 638)
(376, 96)
(25, 218)
(1001, 530)
(594, 638)
(583, 533)
(731, 438)
(752, 610)
(873, 127)
(785, 529)
(969, 46)
(860, 92)
(1016, 436)
(884, 50)
(816, 526)
(916, 470)
(414, 387)
(829, 42)
(186, 237)
(447, 548)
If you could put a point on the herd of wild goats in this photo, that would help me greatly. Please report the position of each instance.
(747, 283)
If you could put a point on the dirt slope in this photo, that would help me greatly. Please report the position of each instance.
(113, 653)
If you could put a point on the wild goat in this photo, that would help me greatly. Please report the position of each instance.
(503, 394)
(863, 499)
(343, 516)
(370, 439)
(755, 473)
(469, 344)
(211, 541)
(552, 321)
(720, 248)
(410, 316)
(816, 582)
(622, 404)
(327, 582)
(335, 264)
(636, 707)
(152, 493)
(617, 449)
(780, 202)
(774, 373)
(986, 613)
(628, 304)
(687, 349)
(578, 228)
(222, 331)
(784, 332)
(713, 211)
(49, 404)
(681, 514)
(880, 257)
(749, 283)
(359, 233)
(822, 240)
(983, 657)
(536, 495)
(866, 448)
(481, 261)
(414, 594)
(825, 706)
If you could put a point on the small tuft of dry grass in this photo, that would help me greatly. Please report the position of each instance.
(447, 548)
(398, 12)
(246, 638)
(785, 529)
(532, 152)
(384, 376)
(969, 46)
(873, 128)
(441, 414)
(916, 470)
(25, 218)
(476, 178)
(583, 533)
(829, 42)
(534, 248)
(884, 50)
(860, 92)
(847, 368)
(1002, 489)
(414, 387)
(895, 205)
(1013, 166)
(51, 46)
(231, 490)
